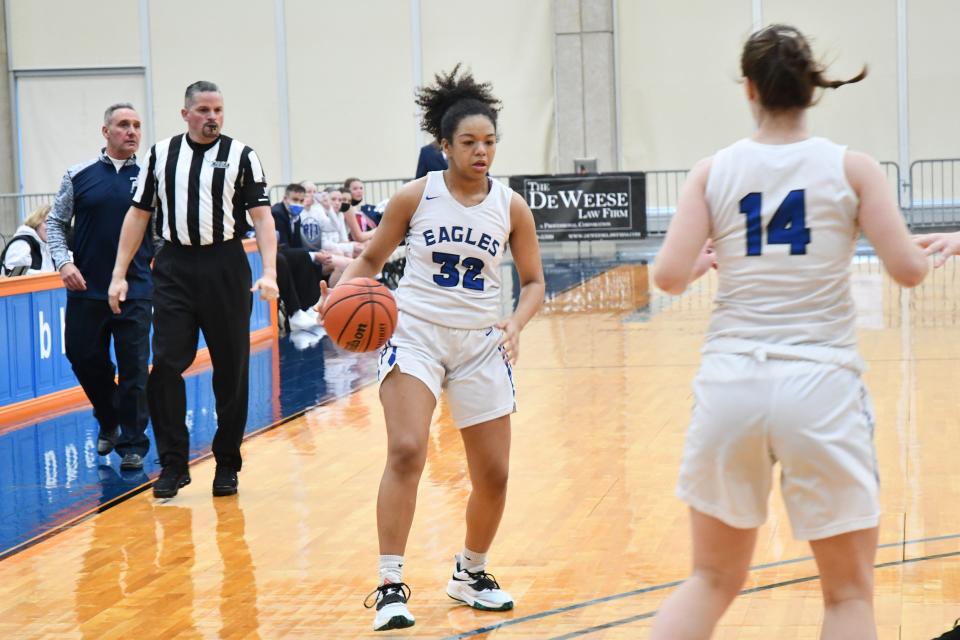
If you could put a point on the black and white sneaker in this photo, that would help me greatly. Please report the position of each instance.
(390, 600)
(479, 590)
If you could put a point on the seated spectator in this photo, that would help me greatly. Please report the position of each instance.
(299, 271)
(286, 216)
(323, 226)
(27, 252)
(316, 230)
(299, 289)
(312, 219)
(354, 186)
(360, 226)
(339, 216)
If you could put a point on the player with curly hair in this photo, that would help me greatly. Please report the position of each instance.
(457, 224)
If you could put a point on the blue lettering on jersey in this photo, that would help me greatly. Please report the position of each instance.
(311, 231)
(464, 235)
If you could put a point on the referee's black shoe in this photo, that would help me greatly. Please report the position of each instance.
(170, 480)
(224, 481)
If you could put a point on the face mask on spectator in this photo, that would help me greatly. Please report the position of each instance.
(296, 209)
(355, 202)
(344, 207)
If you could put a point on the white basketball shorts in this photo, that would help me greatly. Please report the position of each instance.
(814, 418)
(468, 364)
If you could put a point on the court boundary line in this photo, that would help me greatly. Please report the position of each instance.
(763, 587)
(675, 583)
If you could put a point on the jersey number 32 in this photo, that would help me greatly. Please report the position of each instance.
(449, 275)
(788, 225)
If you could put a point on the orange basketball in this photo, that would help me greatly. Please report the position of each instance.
(360, 315)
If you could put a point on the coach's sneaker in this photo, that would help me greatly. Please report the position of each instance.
(106, 441)
(478, 589)
(131, 461)
(390, 600)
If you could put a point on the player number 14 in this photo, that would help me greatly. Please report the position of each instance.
(788, 225)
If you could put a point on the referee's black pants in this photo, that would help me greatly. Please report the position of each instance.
(88, 326)
(200, 288)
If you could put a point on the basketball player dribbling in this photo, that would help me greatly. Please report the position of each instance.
(457, 224)
(780, 378)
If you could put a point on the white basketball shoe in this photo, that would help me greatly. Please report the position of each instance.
(391, 606)
(479, 590)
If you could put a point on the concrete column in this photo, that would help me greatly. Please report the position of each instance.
(7, 153)
(585, 83)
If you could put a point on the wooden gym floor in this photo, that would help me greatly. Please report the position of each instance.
(593, 538)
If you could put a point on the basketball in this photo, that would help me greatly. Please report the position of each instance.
(360, 315)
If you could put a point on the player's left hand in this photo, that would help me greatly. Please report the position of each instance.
(942, 245)
(510, 340)
(267, 287)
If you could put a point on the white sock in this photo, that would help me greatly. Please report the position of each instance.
(391, 569)
(473, 561)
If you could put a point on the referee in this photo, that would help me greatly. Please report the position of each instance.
(201, 185)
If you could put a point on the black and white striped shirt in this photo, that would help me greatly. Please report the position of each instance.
(201, 192)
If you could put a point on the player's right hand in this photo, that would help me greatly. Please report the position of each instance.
(72, 278)
(117, 293)
(324, 294)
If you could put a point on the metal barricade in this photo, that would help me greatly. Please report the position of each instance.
(934, 193)
(663, 192)
(14, 207)
(929, 196)
(375, 191)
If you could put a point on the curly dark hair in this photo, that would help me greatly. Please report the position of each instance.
(450, 99)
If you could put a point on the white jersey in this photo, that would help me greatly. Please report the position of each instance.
(313, 223)
(452, 275)
(784, 224)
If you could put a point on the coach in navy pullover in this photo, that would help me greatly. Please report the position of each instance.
(94, 197)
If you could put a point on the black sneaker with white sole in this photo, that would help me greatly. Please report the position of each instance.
(390, 600)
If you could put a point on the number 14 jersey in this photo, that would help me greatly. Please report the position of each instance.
(452, 275)
(784, 224)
